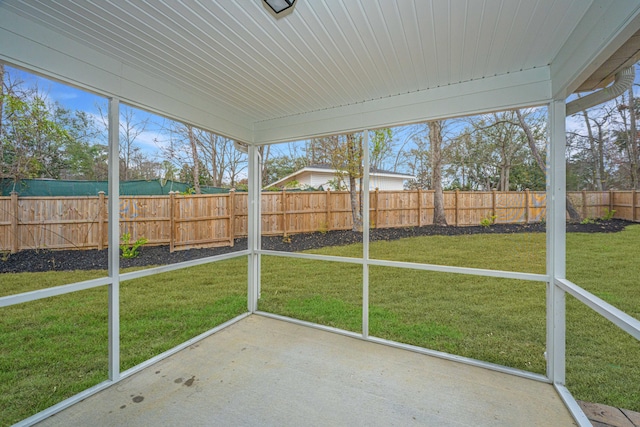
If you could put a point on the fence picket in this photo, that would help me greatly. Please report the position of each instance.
(217, 219)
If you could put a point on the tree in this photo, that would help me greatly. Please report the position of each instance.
(380, 148)
(419, 163)
(195, 169)
(344, 153)
(472, 163)
(531, 140)
(40, 139)
(84, 157)
(278, 167)
(210, 159)
(222, 162)
(596, 144)
(32, 142)
(498, 144)
(626, 139)
(132, 125)
(347, 161)
(435, 138)
(320, 151)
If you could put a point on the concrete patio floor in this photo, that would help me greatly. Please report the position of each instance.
(267, 372)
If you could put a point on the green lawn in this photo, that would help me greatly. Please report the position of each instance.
(54, 348)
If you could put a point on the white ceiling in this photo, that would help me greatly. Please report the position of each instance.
(253, 76)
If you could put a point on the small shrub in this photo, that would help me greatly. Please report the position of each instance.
(588, 221)
(293, 184)
(608, 214)
(130, 250)
(286, 238)
(323, 227)
(488, 221)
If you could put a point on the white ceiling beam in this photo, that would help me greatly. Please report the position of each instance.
(36, 48)
(529, 87)
(603, 29)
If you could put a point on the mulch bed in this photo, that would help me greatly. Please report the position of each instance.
(48, 260)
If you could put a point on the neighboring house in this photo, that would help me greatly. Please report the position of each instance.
(324, 176)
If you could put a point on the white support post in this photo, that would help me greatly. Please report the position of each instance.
(365, 234)
(114, 239)
(556, 242)
(253, 229)
(258, 226)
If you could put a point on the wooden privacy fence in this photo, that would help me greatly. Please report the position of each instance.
(189, 221)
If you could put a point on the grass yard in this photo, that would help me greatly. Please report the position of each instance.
(496, 320)
(54, 348)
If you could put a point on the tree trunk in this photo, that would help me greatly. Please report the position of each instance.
(573, 213)
(435, 137)
(602, 184)
(196, 163)
(595, 152)
(355, 205)
(354, 170)
(264, 151)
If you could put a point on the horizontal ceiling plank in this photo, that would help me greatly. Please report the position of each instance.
(63, 59)
(529, 87)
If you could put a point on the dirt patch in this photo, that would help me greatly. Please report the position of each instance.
(47, 260)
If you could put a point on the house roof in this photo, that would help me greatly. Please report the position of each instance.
(328, 169)
(326, 67)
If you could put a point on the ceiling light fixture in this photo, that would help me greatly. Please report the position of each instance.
(279, 5)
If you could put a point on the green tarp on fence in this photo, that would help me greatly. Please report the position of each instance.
(52, 187)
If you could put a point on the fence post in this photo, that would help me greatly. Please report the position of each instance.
(526, 206)
(376, 211)
(232, 213)
(172, 220)
(610, 200)
(633, 205)
(101, 218)
(283, 203)
(457, 202)
(419, 207)
(584, 204)
(15, 247)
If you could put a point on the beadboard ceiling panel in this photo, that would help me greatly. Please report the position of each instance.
(322, 55)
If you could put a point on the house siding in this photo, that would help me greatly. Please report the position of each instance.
(317, 179)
